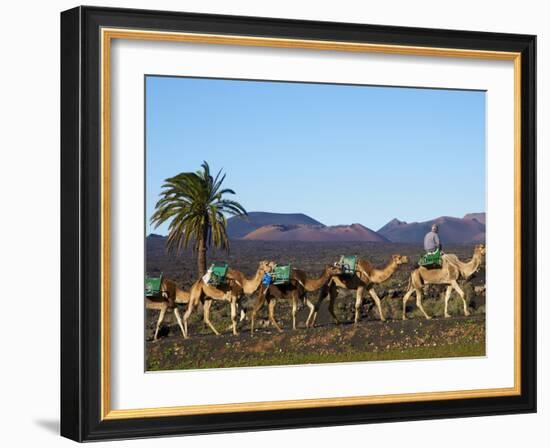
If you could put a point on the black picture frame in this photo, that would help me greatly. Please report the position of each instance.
(81, 224)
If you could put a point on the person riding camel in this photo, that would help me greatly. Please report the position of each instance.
(432, 246)
(431, 240)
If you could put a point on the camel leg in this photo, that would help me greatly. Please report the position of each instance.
(376, 299)
(322, 294)
(406, 297)
(252, 318)
(294, 308)
(238, 310)
(271, 308)
(159, 321)
(206, 316)
(234, 315)
(358, 301)
(447, 297)
(462, 296)
(255, 308)
(311, 311)
(419, 303)
(333, 295)
(186, 315)
(313, 319)
(178, 318)
(315, 314)
(243, 315)
(331, 302)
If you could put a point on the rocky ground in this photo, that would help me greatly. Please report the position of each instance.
(370, 340)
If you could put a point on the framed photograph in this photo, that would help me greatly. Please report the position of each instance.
(272, 223)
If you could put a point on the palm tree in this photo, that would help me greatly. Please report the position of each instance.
(195, 206)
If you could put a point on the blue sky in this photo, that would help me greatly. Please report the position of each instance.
(338, 153)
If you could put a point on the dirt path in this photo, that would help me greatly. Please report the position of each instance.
(369, 340)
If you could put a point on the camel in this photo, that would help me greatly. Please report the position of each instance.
(168, 298)
(365, 277)
(237, 285)
(451, 270)
(295, 291)
(469, 268)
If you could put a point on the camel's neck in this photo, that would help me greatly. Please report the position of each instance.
(471, 266)
(381, 275)
(250, 285)
(313, 284)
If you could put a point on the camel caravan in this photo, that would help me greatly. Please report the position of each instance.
(274, 283)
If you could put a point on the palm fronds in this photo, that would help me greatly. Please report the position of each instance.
(195, 207)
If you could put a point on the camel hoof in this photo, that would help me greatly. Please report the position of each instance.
(467, 313)
(428, 317)
(447, 315)
(404, 318)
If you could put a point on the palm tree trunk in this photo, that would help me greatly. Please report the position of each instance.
(201, 258)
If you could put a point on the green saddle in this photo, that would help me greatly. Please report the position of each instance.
(152, 286)
(281, 275)
(431, 260)
(218, 272)
(348, 264)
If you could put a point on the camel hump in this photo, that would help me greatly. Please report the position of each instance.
(298, 274)
(236, 276)
(365, 265)
(451, 261)
(449, 257)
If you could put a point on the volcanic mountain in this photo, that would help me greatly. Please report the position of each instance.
(239, 227)
(306, 232)
(470, 229)
(477, 216)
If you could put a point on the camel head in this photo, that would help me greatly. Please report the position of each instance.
(331, 269)
(400, 259)
(266, 266)
(480, 250)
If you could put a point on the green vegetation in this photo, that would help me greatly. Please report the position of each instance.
(368, 341)
(293, 358)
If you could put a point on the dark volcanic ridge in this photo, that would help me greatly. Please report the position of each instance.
(264, 226)
(470, 229)
(304, 232)
(238, 227)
